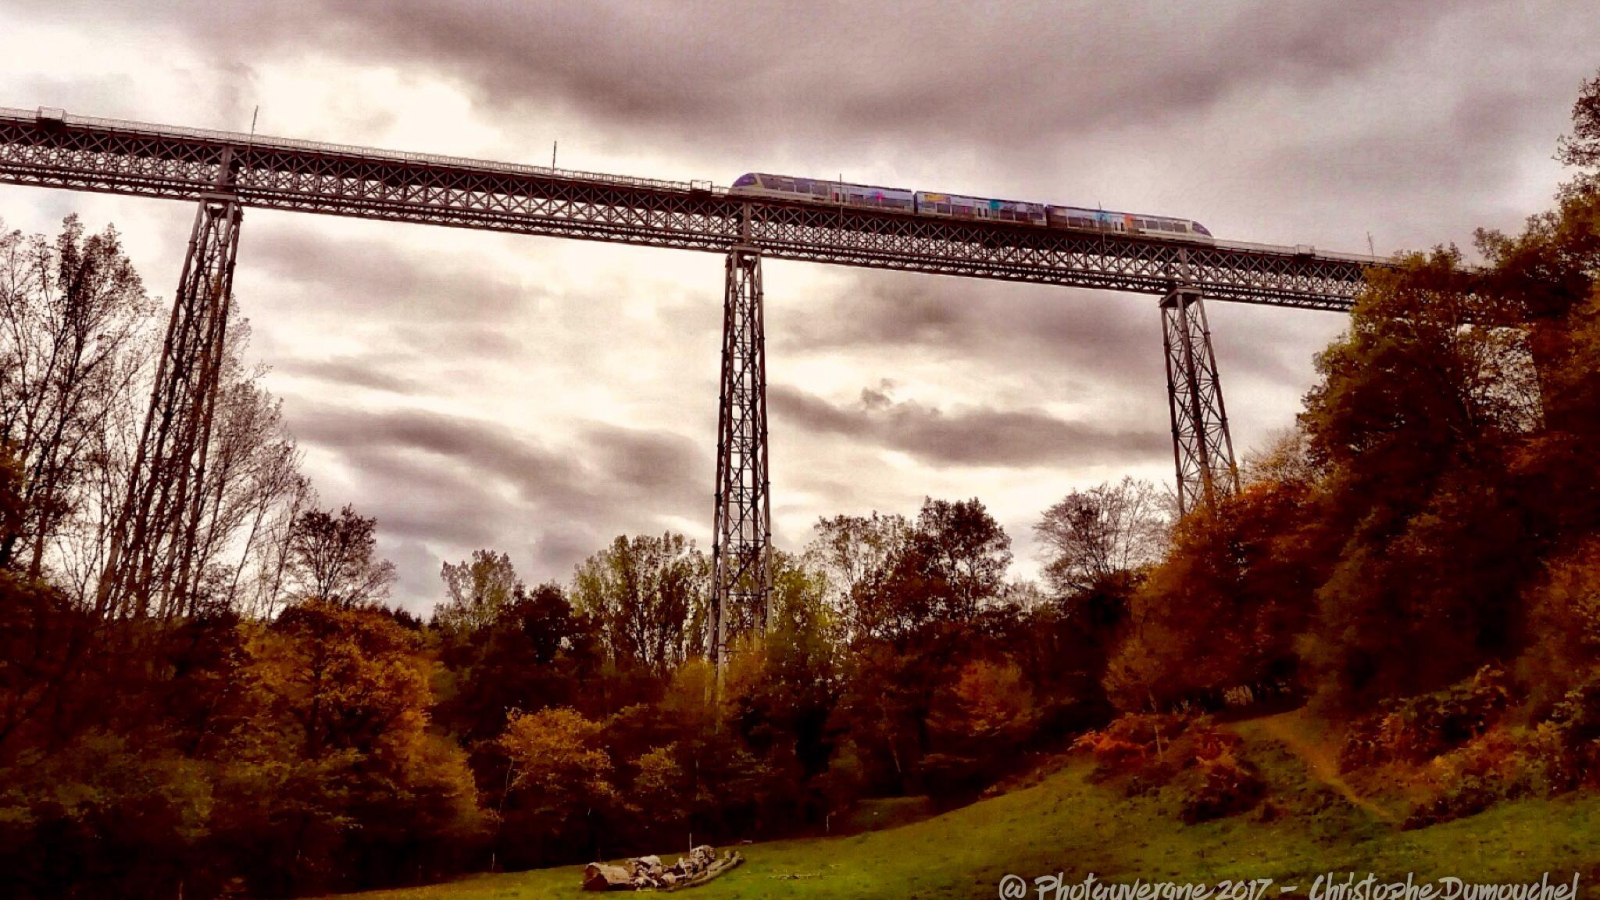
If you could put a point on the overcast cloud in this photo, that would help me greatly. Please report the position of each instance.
(540, 396)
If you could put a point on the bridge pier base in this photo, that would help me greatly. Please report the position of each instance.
(1202, 448)
(741, 550)
(150, 566)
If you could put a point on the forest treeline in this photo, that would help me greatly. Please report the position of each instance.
(1418, 559)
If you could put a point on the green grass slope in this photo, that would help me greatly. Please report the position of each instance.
(1068, 824)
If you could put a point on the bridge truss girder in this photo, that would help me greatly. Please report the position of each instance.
(108, 156)
(151, 565)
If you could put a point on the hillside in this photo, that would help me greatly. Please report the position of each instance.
(1068, 823)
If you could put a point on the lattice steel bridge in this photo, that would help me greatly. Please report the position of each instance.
(225, 171)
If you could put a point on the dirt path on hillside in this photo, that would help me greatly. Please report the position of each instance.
(1321, 762)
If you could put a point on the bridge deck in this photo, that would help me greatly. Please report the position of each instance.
(112, 156)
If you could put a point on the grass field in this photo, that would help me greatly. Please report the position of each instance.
(1067, 824)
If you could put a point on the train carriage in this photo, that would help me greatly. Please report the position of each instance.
(816, 190)
(1127, 223)
(957, 206)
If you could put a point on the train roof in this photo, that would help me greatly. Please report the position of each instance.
(876, 187)
(752, 176)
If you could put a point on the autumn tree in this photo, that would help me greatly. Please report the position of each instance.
(335, 768)
(476, 591)
(561, 783)
(987, 712)
(854, 555)
(1420, 407)
(918, 615)
(963, 552)
(1094, 534)
(643, 591)
(1581, 148)
(73, 322)
(952, 561)
(333, 557)
(1227, 605)
(782, 704)
(535, 652)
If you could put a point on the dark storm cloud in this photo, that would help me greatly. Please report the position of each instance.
(1006, 74)
(371, 276)
(481, 447)
(669, 467)
(352, 371)
(967, 436)
(422, 500)
(442, 477)
(1055, 335)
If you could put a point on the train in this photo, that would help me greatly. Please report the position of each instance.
(956, 206)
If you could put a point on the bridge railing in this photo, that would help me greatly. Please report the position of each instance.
(269, 141)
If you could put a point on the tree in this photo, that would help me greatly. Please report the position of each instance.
(781, 703)
(1226, 605)
(965, 550)
(978, 726)
(854, 554)
(477, 591)
(1091, 535)
(561, 781)
(73, 319)
(332, 558)
(952, 562)
(534, 653)
(642, 591)
(1421, 407)
(333, 777)
(662, 789)
(78, 351)
(1582, 147)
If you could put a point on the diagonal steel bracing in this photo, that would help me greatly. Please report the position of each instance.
(150, 566)
(741, 552)
(1201, 446)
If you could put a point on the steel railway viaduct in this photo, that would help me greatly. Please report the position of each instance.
(226, 172)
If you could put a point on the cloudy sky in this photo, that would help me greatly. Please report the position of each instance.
(541, 396)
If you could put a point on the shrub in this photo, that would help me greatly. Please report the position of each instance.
(1189, 756)
(1575, 727)
(1417, 729)
(1218, 787)
(1498, 765)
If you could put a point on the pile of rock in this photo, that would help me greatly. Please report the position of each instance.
(646, 873)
